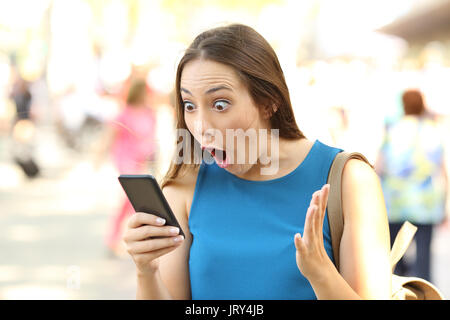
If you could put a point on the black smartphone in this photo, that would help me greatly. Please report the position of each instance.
(145, 195)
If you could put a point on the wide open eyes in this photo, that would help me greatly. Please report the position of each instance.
(219, 106)
(189, 106)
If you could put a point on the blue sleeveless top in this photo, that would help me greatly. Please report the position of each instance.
(243, 231)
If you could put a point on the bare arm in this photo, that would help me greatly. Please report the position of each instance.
(171, 279)
(151, 287)
(174, 266)
(365, 243)
(364, 251)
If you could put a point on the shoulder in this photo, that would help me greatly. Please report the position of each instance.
(120, 118)
(185, 180)
(180, 191)
(357, 172)
(362, 195)
(361, 187)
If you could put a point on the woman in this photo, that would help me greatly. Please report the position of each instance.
(251, 235)
(130, 139)
(412, 169)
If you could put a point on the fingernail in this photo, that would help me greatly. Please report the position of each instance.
(178, 239)
(174, 230)
(160, 221)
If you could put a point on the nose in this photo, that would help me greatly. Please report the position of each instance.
(207, 135)
(203, 129)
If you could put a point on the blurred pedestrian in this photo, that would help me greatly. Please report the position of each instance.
(21, 96)
(412, 170)
(23, 128)
(130, 140)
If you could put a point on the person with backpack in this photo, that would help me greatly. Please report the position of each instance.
(411, 165)
(254, 215)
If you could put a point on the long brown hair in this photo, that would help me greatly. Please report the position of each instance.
(257, 65)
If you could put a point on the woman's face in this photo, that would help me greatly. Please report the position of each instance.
(215, 99)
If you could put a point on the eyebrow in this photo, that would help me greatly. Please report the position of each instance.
(211, 90)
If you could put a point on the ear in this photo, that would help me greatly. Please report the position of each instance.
(274, 108)
(269, 110)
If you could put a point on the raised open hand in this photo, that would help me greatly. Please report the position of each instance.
(310, 254)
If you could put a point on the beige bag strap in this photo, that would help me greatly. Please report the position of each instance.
(403, 287)
(409, 288)
(334, 206)
(402, 242)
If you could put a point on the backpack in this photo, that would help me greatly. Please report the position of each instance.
(403, 288)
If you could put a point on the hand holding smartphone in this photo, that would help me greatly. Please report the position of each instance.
(145, 195)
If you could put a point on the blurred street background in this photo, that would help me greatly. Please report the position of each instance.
(67, 70)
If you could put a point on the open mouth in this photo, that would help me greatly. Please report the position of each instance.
(220, 156)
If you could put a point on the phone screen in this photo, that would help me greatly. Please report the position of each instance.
(145, 195)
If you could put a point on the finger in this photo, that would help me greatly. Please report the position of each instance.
(318, 213)
(154, 254)
(314, 198)
(326, 192)
(298, 241)
(154, 244)
(140, 218)
(143, 258)
(315, 202)
(147, 231)
(309, 233)
(321, 215)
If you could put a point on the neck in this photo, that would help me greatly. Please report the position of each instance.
(279, 154)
